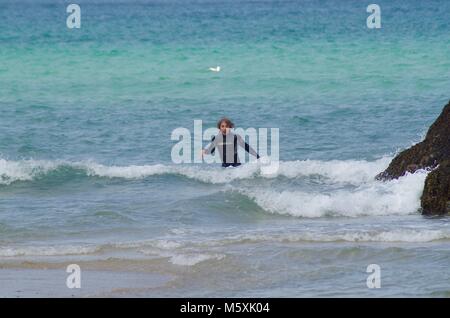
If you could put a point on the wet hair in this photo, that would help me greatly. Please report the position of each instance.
(227, 121)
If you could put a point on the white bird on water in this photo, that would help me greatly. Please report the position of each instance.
(215, 69)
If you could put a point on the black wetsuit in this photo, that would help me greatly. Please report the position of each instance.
(228, 148)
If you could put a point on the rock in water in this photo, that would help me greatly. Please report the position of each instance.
(436, 194)
(433, 152)
(426, 154)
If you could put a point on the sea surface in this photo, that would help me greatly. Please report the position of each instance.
(86, 174)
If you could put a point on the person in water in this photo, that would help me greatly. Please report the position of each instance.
(227, 143)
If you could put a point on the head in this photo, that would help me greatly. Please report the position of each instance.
(224, 125)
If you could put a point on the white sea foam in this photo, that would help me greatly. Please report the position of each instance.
(400, 236)
(62, 250)
(339, 171)
(159, 244)
(24, 170)
(66, 250)
(347, 171)
(126, 172)
(365, 196)
(169, 249)
(193, 259)
(189, 253)
(396, 197)
(164, 249)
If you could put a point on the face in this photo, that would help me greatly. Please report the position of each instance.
(224, 128)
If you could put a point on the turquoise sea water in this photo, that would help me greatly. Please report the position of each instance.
(86, 117)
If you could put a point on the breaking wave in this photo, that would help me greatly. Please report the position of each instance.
(359, 195)
(397, 197)
(335, 171)
(197, 250)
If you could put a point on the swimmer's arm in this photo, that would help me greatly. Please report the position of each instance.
(211, 147)
(247, 147)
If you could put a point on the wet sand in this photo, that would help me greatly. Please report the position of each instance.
(52, 283)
